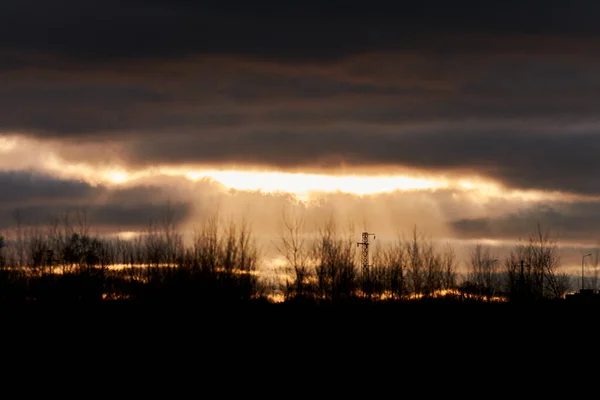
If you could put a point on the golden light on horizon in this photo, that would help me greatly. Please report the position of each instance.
(127, 235)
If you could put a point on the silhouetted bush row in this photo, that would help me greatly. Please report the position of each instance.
(65, 263)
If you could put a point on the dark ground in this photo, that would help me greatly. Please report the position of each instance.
(418, 319)
(422, 347)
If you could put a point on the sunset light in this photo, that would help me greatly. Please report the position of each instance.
(118, 176)
(259, 148)
(301, 184)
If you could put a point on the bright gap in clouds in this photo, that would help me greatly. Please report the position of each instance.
(29, 154)
(302, 184)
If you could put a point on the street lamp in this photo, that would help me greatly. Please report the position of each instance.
(583, 258)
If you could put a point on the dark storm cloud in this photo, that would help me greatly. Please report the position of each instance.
(38, 199)
(113, 217)
(568, 221)
(67, 108)
(98, 30)
(200, 96)
(499, 89)
(530, 122)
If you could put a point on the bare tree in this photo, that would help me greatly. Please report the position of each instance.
(545, 258)
(247, 262)
(206, 244)
(449, 275)
(230, 249)
(414, 259)
(433, 270)
(173, 240)
(394, 259)
(424, 265)
(334, 261)
(376, 284)
(292, 247)
(533, 269)
(483, 272)
(2, 253)
(19, 238)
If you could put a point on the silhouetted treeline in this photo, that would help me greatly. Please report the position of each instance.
(65, 262)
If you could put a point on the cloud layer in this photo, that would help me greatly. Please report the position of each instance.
(36, 199)
(526, 122)
(99, 30)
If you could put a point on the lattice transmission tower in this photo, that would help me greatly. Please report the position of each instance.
(364, 260)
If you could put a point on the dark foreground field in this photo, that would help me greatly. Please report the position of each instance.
(421, 345)
(416, 320)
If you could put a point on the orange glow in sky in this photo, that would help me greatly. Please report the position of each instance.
(22, 153)
(300, 184)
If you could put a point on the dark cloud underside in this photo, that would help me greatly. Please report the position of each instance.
(297, 29)
(20, 187)
(567, 221)
(508, 90)
(38, 199)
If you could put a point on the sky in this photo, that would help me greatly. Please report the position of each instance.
(473, 120)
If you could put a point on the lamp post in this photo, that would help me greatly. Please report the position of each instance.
(582, 259)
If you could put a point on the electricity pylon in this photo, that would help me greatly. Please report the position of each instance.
(365, 253)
